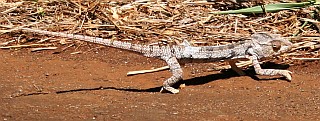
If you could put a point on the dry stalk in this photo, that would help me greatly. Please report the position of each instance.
(147, 21)
(24, 46)
(147, 71)
(43, 48)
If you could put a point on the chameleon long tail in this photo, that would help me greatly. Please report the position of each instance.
(107, 42)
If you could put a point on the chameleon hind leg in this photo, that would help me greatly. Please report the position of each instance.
(176, 71)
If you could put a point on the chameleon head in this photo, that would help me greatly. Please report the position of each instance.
(270, 44)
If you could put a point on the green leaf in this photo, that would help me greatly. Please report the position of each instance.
(268, 8)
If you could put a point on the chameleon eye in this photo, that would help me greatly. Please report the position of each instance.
(276, 46)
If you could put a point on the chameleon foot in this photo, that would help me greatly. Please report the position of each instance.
(286, 74)
(170, 89)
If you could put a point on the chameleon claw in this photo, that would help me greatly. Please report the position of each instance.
(170, 89)
(286, 74)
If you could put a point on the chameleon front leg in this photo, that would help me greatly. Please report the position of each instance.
(176, 71)
(235, 68)
(269, 72)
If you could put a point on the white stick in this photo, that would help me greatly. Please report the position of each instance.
(306, 59)
(147, 71)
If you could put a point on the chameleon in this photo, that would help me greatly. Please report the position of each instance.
(260, 45)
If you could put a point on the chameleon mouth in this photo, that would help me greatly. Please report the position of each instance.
(285, 46)
(284, 49)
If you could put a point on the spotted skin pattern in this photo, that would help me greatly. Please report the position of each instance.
(260, 45)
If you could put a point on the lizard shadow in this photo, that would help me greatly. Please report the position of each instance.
(224, 74)
(192, 81)
(229, 73)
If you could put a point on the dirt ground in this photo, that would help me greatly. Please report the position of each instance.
(94, 86)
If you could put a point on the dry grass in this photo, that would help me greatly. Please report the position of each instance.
(160, 22)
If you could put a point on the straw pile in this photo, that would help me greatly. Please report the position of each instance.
(159, 22)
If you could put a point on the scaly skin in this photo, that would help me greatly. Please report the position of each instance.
(259, 46)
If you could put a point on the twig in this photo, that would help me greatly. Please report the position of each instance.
(22, 46)
(241, 64)
(306, 59)
(17, 28)
(147, 71)
(6, 43)
(16, 5)
(43, 48)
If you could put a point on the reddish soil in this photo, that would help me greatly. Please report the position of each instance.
(94, 86)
